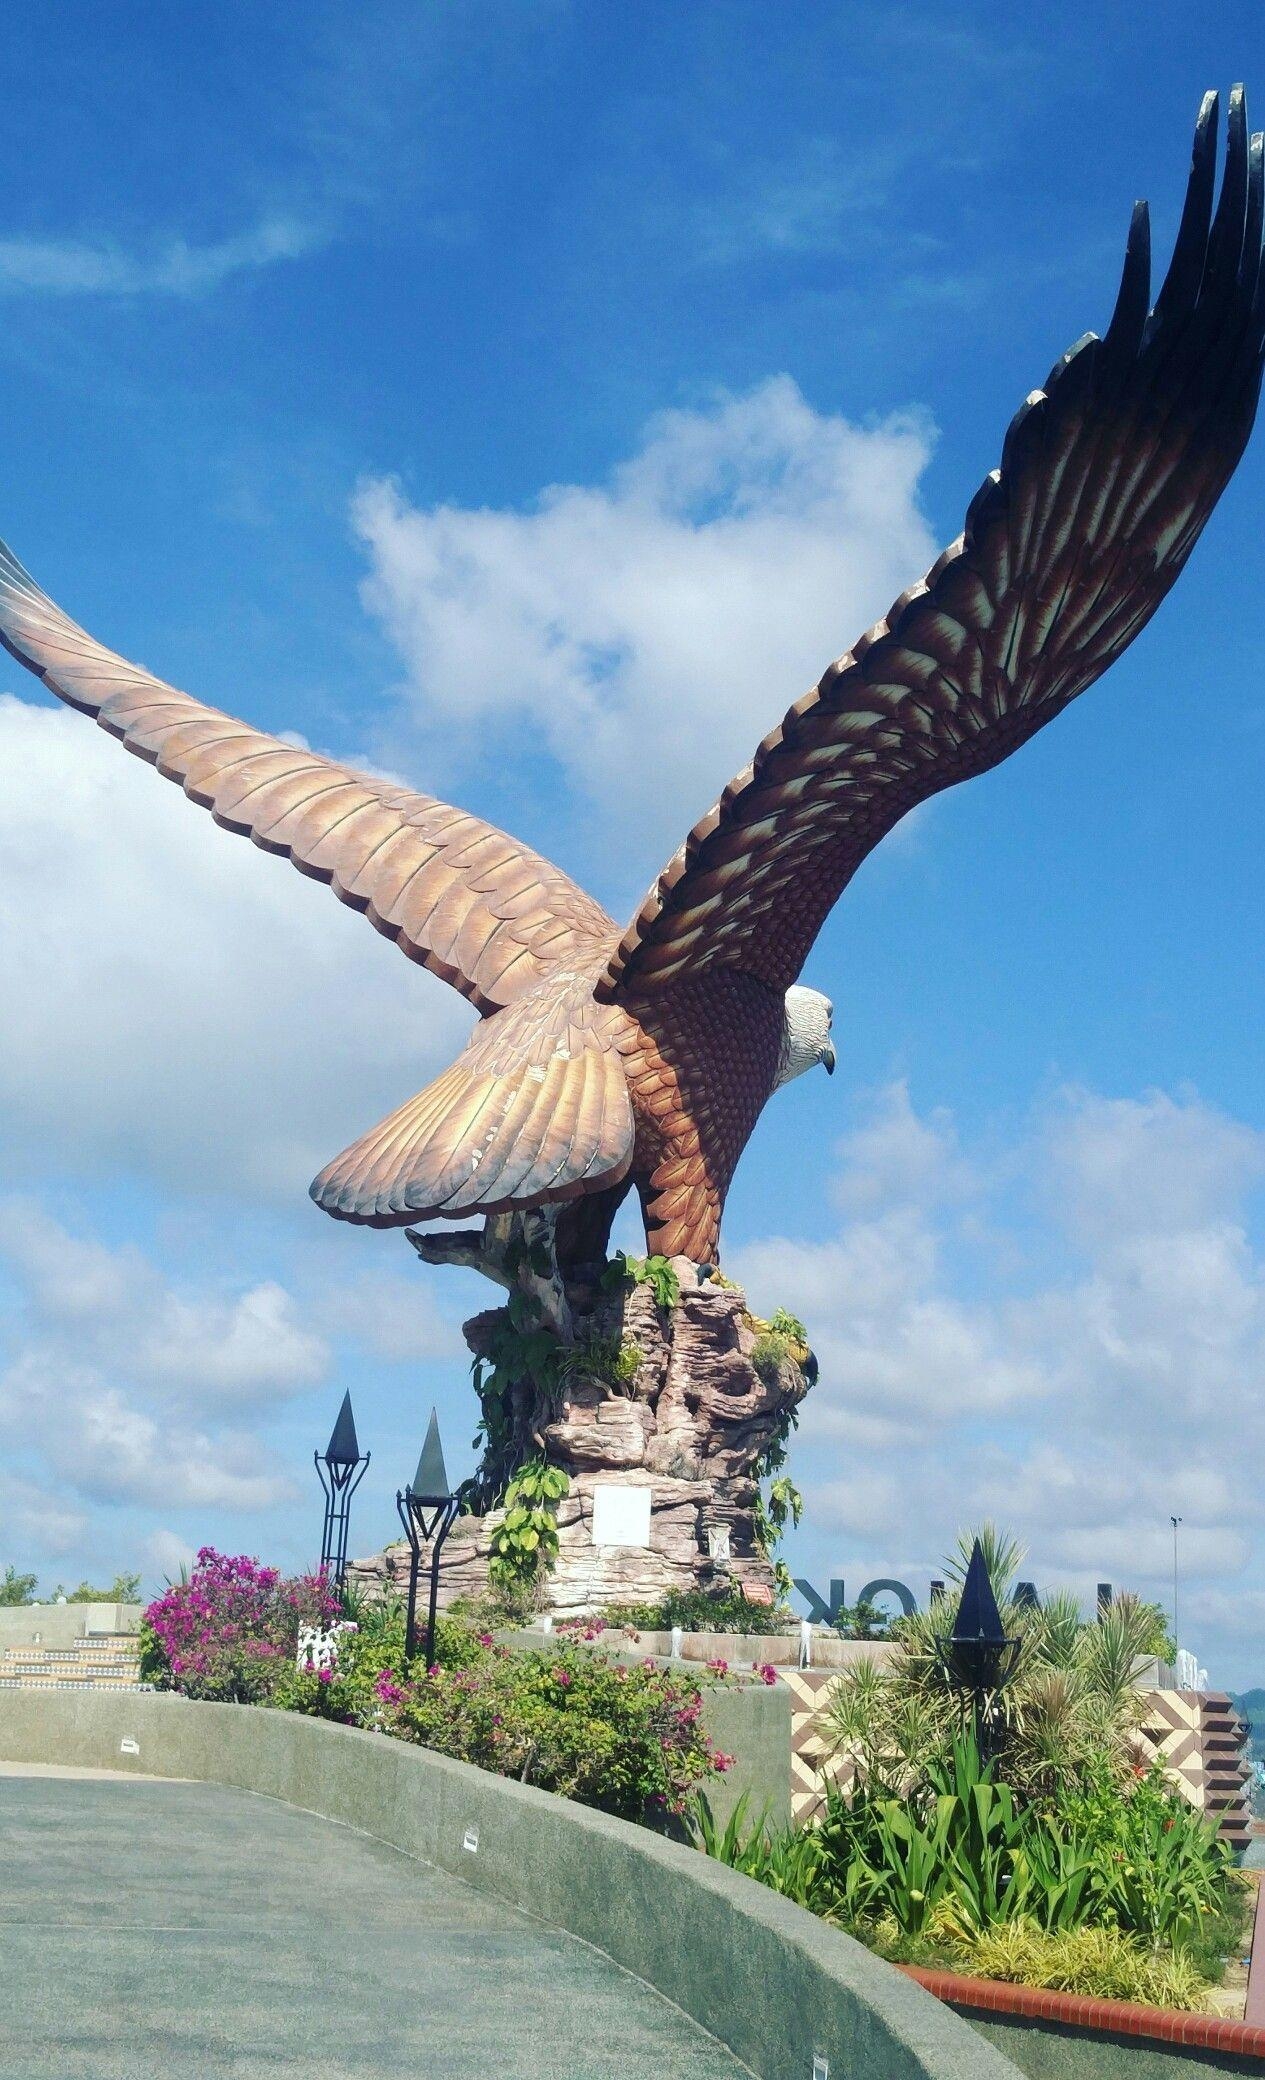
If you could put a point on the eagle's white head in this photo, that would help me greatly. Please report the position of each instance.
(805, 1034)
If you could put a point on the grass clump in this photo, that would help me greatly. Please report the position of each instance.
(1099, 1962)
(614, 1360)
(780, 1341)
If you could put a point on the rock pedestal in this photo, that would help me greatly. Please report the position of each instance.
(684, 1403)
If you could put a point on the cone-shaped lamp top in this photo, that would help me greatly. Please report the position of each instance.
(431, 1478)
(343, 1448)
(978, 1617)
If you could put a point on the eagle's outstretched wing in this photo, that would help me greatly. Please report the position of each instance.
(473, 905)
(1107, 478)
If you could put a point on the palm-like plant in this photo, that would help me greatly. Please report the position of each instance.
(1058, 1627)
(1070, 1702)
(1003, 1557)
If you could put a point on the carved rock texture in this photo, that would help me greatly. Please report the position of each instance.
(691, 1425)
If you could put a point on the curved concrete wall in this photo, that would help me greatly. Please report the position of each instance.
(771, 1982)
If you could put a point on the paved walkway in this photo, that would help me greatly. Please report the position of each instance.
(160, 1931)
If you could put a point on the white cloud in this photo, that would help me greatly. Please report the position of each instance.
(79, 267)
(1165, 1164)
(131, 1389)
(182, 1004)
(119, 1309)
(168, 1553)
(645, 633)
(895, 1158)
(98, 1439)
(1097, 1373)
(816, 197)
(36, 1518)
(396, 1317)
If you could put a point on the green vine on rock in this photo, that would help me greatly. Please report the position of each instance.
(781, 1503)
(519, 1379)
(527, 1540)
(655, 1272)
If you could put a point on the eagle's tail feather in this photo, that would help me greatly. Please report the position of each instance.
(506, 1125)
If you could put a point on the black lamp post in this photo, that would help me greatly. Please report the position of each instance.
(427, 1510)
(340, 1470)
(979, 1656)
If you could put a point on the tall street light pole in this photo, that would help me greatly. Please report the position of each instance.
(1175, 1521)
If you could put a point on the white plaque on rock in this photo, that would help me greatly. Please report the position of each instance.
(621, 1516)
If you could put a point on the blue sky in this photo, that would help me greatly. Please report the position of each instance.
(531, 399)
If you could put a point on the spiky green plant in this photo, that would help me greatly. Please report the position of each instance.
(1003, 1557)
(787, 1860)
(1070, 1701)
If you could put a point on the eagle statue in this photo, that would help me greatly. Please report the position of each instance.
(605, 1059)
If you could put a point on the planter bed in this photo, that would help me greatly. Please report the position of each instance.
(1071, 2036)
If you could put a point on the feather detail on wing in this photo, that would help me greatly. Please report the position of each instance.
(1107, 478)
(535, 1110)
(457, 895)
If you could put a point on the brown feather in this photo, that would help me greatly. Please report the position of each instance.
(535, 1110)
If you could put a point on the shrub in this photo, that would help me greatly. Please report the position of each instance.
(508, 1603)
(125, 1588)
(863, 1620)
(962, 1849)
(1157, 1867)
(1070, 1704)
(228, 1632)
(655, 1272)
(699, 1610)
(788, 1860)
(615, 1360)
(627, 1739)
(781, 1340)
(1101, 1892)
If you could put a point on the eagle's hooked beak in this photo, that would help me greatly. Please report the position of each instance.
(828, 1058)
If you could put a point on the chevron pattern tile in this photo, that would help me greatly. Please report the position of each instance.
(1195, 1734)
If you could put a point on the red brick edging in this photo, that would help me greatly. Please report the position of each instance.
(1079, 2011)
